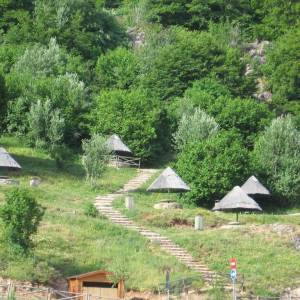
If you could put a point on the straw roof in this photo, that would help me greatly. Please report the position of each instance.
(237, 199)
(6, 161)
(252, 186)
(168, 181)
(116, 144)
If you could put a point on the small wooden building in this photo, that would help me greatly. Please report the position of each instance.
(96, 284)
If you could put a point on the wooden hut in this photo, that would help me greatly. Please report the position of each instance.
(253, 187)
(7, 162)
(122, 156)
(96, 284)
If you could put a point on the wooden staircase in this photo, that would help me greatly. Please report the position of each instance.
(104, 206)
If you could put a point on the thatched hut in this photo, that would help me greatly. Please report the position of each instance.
(168, 181)
(253, 187)
(7, 162)
(122, 156)
(237, 200)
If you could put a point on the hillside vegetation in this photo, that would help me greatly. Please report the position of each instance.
(210, 88)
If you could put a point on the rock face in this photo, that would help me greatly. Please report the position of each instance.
(257, 51)
(137, 37)
(291, 294)
(167, 205)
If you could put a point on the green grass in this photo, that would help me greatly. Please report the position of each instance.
(68, 242)
(268, 261)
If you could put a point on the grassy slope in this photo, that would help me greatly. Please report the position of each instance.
(68, 242)
(268, 262)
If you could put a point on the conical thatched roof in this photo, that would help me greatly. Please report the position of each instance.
(6, 161)
(116, 145)
(237, 200)
(168, 181)
(252, 186)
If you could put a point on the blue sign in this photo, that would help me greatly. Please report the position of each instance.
(233, 274)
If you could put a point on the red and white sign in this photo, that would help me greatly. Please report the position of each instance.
(232, 263)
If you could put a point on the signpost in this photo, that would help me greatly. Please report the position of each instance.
(233, 275)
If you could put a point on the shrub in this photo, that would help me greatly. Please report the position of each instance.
(46, 129)
(194, 128)
(21, 215)
(276, 157)
(282, 70)
(117, 69)
(90, 210)
(95, 157)
(212, 167)
(131, 114)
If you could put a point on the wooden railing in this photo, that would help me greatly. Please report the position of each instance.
(120, 161)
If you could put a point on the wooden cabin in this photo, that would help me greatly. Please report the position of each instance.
(96, 284)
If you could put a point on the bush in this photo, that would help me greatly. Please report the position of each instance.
(276, 157)
(95, 157)
(90, 210)
(194, 127)
(21, 215)
(117, 69)
(248, 116)
(46, 130)
(212, 167)
(190, 56)
(132, 115)
(282, 70)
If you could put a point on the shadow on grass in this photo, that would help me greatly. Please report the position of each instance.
(34, 166)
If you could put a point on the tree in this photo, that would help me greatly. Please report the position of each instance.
(21, 215)
(276, 157)
(212, 167)
(248, 116)
(131, 114)
(117, 69)
(193, 128)
(80, 25)
(95, 157)
(191, 56)
(46, 129)
(282, 70)
(196, 14)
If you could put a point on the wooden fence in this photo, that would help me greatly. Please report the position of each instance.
(120, 161)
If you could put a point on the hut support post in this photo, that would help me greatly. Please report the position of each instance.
(237, 216)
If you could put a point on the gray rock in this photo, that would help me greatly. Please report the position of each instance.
(167, 205)
(9, 181)
(35, 182)
(296, 241)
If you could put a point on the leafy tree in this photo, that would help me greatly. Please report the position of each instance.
(196, 14)
(189, 57)
(245, 115)
(79, 25)
(21, 215)
(282, 70)
(117, 69)
(194, 128)
(276, 158)
(212, 167)
(274, 17)
(46, 129)
(132, 115)
(45, 73)
(95, 157)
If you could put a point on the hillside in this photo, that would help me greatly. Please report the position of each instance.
(69, 242)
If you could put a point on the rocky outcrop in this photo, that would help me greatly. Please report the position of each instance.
(257, 52)
(137, 37)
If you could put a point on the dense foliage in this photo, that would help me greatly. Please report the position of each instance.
(144, 69)
(213, 166)
(21, 215)
(276, 158)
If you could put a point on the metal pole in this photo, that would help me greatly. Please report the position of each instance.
(233, 290)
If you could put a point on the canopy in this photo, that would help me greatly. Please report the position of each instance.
(252, 187)
(116, 145)
(168, 181)
(237, 200)
(6, 161)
